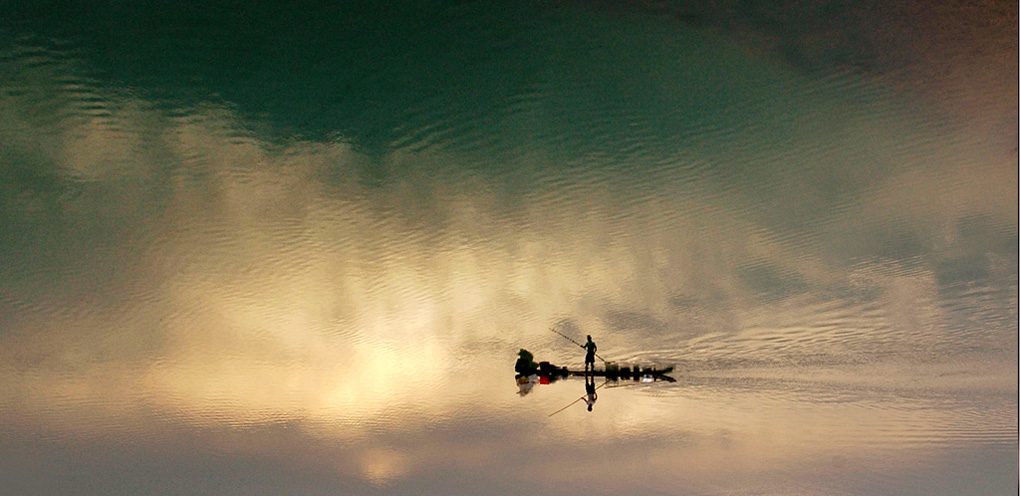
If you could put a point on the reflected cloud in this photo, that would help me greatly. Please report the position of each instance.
(181, 267)
(382, 466)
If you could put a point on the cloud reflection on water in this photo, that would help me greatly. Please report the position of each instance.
(242, 282)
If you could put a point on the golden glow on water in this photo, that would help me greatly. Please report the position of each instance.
(272, 290)
(293, 313)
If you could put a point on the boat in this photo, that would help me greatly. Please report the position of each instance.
(548, 372)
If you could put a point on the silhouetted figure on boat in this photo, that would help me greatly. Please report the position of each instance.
(589, 388)
(589, 358)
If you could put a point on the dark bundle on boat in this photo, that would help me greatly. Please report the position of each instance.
(525, 363)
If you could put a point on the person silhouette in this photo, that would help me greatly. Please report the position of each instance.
(589, 388)
(589, 357)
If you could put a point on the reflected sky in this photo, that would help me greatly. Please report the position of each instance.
(297, 252)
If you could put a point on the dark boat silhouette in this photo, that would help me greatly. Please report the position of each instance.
(526, 366)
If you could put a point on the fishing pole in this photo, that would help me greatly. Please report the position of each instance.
(575, 401)
(575, 342)
(568, 406)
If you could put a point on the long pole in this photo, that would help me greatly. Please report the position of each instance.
(575, 342)
(568, 406)
(575, 401)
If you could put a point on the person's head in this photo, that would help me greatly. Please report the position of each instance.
(589, 337)
(589, 408)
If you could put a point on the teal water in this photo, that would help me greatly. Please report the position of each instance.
(254, 250)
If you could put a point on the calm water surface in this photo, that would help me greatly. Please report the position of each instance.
(247, 250)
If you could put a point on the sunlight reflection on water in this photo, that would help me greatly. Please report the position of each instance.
(831, 268)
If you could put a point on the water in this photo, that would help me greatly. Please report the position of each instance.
(258, 251)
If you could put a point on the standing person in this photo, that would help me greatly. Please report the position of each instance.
(589, 358)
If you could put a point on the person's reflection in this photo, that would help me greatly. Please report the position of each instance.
(589, 387)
